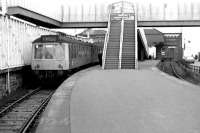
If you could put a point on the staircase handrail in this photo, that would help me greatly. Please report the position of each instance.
(121, 38)
(121, 43)
(136, 41)
(106, 37)
(122, 4)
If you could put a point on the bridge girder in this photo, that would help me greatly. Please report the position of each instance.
(48, 22)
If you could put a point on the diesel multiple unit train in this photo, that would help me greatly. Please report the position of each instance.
(53, 55)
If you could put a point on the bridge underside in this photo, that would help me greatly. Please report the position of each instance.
(48, 22)
(169, 23)
(33, 17)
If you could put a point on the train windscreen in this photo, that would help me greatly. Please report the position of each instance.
(49, 51)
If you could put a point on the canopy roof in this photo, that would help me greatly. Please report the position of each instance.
(154, 37)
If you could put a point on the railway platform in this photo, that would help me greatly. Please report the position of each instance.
(116, 101)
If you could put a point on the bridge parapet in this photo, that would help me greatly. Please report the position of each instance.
(80, 14)
(121, 10)
(76, 11)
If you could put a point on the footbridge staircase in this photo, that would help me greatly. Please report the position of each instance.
(120, 48)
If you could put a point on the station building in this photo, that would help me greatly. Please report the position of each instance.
(168, 45)
(99, 36)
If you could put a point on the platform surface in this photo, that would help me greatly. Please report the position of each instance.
(125, 101)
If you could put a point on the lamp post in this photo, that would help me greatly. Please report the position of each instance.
(164, 10)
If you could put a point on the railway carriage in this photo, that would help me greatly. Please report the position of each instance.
(53, 55)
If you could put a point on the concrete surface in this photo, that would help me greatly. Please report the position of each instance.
(56, 117)
(134, 101)
(123, 101)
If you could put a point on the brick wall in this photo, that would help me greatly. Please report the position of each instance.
(2, 85)
(18, 78)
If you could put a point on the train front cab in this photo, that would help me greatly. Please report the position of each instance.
(50, 56)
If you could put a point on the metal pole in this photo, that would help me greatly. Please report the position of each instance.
(69, 13)
(8, 52)
(95, 11)
(82, 12)
(62, 13)
(192, 10)
(178, 8)
(164, 11)
(150, 11)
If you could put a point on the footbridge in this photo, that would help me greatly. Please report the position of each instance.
(94, 14)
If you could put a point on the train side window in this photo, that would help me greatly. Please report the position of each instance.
(74, 50)
(80, 51)
(71, 50)
(77, 55)
(84, 51)
(77, 50)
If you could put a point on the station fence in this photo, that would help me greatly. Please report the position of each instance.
(16, 39)
(195, 68)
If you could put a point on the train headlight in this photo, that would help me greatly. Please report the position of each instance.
(60, 66)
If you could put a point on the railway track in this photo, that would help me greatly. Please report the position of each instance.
(174, 71)
(20, 115)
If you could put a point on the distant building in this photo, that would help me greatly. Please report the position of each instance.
(172, 45)
(168, 45)
(97, 35)
(154, 37)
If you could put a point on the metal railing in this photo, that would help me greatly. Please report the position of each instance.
(136, 41)
(119, 9)
(106, 40)
(195, 68)
(121, 43)
(82, 12)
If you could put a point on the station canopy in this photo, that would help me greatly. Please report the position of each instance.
(154, 37)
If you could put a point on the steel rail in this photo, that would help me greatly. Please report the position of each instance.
(175, 73)
(18, 101)
(31, 119)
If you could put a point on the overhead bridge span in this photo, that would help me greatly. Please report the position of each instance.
(95, 14)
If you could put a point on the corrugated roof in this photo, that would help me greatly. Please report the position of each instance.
(154, 37)
(92, 32)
